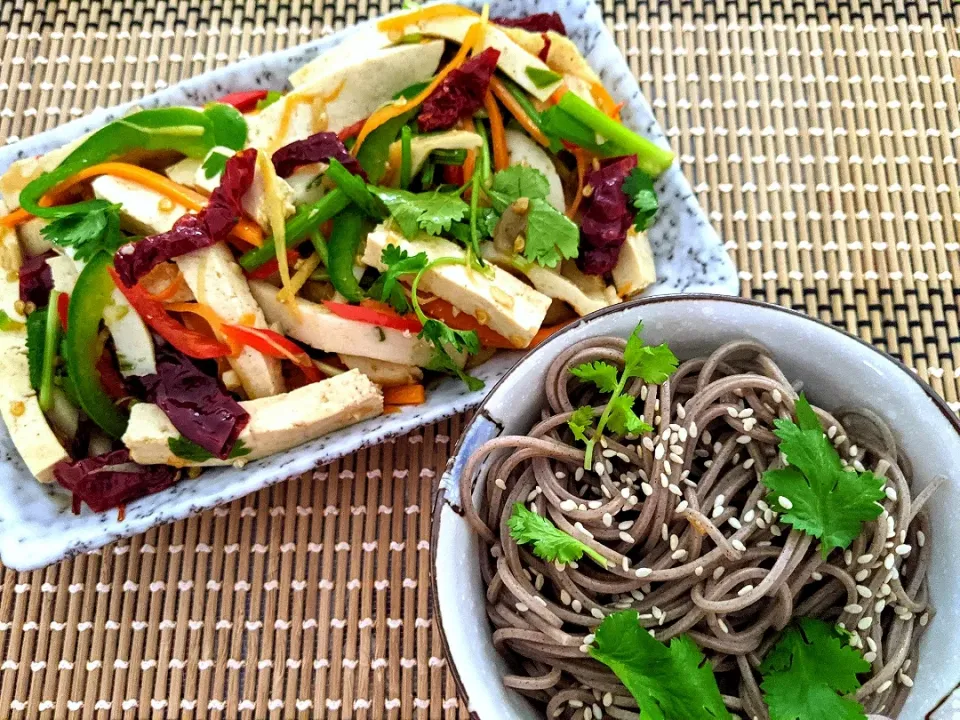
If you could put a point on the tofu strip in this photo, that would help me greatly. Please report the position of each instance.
(502, 302)
(19, 406)
(276, 423)
(211, 273)
(319, 328)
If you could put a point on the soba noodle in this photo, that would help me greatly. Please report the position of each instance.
(680, 516)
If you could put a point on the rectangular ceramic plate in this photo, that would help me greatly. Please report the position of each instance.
(37, 526)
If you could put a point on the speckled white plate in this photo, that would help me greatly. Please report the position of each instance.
(37, 526)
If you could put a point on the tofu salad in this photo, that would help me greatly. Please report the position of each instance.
(198, 286)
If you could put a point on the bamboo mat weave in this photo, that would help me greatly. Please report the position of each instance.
(822, 138)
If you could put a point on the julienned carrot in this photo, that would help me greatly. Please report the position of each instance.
(581, 155)
(170, 290)
(470, 164)
(395, 109)
(545, 332)
(510, 103)
(604, 101)
(190, 199)
(498, 138)
(404, 395)
(15, 218)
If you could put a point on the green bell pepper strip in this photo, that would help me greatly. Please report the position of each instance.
(320, 245)
(51, 341)
(356, 189)
(448, 157)
(90, 297)
(651, 158)
(229, 132)
(186, 130)
(523, 100)
(406, 159)
(307, 219)
(345, 239)
(375, 151)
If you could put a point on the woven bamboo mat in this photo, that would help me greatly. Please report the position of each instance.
(821, 137)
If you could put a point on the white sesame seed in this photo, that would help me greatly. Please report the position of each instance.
(665, 532)
(625, 563)
(577, 606)
(817, 576)
(625, 525)
(785, 502)
(732, 411)
(879, 605)
(584, 649)
(708, 463)
(738, 545)
(871, 643)
(521, 607)
(576, 703)
(921, 538)
(578, 475)
(848, 557)
(682, 506)
(865, 559)
(884, 687)
(589, 638)
(674, 542)
(607, 699)
(717, 511)
(626, 538)
(538, 584)
(564, 597)
(864, 591)
(624, 493)
(854, 450)
(749, 424)
(594, 504)
(609, 453)
(632, 500)
(734, 523)
(597, 613)
(718, 572)
(659, 452)
(858, 466)
(642, 572)
(723, 625)
(559, 566)
(775, 530)
(744, 590)
(568, 505)
(646, 488)
(643, 392)
(647, 442)
(748, 463)
(924, 619)
(902, 550)
(674, 458)
(675, 489)
(884, 590)
(891, 493)
(761, 523)
(888, 562)
(597, 712)
(776, 396)
(664, 480)
(744, 440)
(853, 608)
(693, 429)
(500, 483)
(906, 680)
(748, 516)
(865, 623)
(667, 467)
(607, 519)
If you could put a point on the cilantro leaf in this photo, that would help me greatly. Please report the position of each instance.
(550, 543)
(398, 262)
(808, 671)
(36, 339)
(95, 228)
(652, 363)
(189, 450)
(668, 683)
(515, 182)
(551, 235)
(815, 493)
(601, 374)
(623, 420)
(214, 163)
(638, 186)
(432, 212)
(578, 423)
(443, 337)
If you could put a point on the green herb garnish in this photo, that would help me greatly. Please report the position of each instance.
(815, 492)
(542, 78)
(190, 451)
(638, 186)
(549, 542)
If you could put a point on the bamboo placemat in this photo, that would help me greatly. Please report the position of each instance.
(822, 138)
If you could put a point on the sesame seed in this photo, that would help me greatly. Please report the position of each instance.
(858, 466)
(588, 639)
(744, 439)
(853, 608)
(902, 550)
(538, 584)
(626, 538)
(748, 463)
(632, 500)
(564, 597)
(761, 523)
(578, 475)
(854, 450)
(625, 564)
(624, 493)
(865, 559)
(888, 562)
(625, 525)
(646, 488)
(872, 644)
(698, 570)
(647, 442)
(597, 613)
(732, 411)
(723, 625)
(865, 623)
(607, 699)
(682, 506)
(864, 591)
(659, 452)
(609, 453)
(734, 523)
(568, 505)
(665, 532)
(744, 590)
(848, 557)
(576, 703)
(597, 712)
(674, 458)
(817, 576)
(884, 687)
(924, 619)
(693, 429)
(598, 467)
(577, 606)
(643, 392)
(775, 530)
(785, 503)
(559, 566)
(642, 572)
(762, 505)
(584, 649)
(776, 396)
(675, 489)
(862, 575)
(738, 545)
(879, 606)
(717, 511)
(667, 467)
(500, 483)
(708, 463)
(749, 424)
(664, 480)
(891, 493)
(603, 441)
(906, 680)
(718, 572)
(607, 519)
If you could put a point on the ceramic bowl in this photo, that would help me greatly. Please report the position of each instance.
(837, 370)
(37, 526)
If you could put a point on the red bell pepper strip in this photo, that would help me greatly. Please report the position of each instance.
(245, 100)
(374, 313)
(189, 342)
(63, 304)
(110, 378)
(271, 266)
(275, 345)
(351, 130)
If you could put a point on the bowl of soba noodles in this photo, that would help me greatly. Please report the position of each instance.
(698, 507)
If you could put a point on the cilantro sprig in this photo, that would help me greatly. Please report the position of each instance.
(189, 450)
(638, 186)
(95, 227)
(398, 262)
(551, 236)
(652, 364)
(431, 212)
(810, 670)
(549, 542)
(672, 682)
(815, 492)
